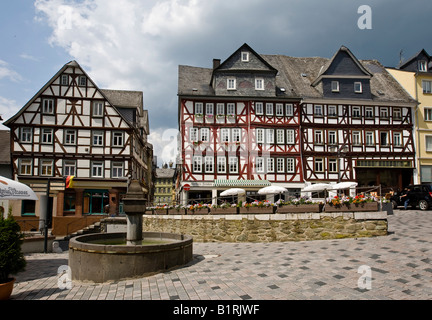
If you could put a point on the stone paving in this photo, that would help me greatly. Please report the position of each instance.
(399, 265)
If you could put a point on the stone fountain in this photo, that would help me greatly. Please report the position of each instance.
(108, 257)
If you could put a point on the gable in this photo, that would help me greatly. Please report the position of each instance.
(412, 64)
(72, 93)
(344, 65)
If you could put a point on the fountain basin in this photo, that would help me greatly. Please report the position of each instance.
(94, 258)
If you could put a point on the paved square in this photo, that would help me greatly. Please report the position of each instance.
(397, 266)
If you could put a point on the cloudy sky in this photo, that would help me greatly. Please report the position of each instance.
(138, 45)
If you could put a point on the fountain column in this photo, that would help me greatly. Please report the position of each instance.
(134, 207)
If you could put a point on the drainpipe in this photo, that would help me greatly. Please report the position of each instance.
(416, 126)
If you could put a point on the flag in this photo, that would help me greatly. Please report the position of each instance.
(69, 182)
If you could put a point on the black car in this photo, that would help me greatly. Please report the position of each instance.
(420, 195)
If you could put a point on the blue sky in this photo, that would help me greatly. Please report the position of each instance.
(138, 45)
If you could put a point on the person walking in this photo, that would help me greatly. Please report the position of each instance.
(405, 197)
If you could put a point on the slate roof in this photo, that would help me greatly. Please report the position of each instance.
(296, 76)
(123, 98)
(164, 172)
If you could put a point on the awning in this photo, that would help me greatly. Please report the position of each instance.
(241, 183)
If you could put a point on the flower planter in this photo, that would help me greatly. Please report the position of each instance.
(257, 210)
(175, 211)
(301, 208)
(232, 210)
(352, 207)
(6, 289)
(198, 211)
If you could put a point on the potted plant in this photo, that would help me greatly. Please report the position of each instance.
(11, 257)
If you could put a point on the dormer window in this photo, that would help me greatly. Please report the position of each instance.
(245, 56)
(231, 84)
(422, 66)
(335, 86)
(358, 87)
(259, 84)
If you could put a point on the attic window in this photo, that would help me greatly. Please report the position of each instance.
(422, 66)
(358, 87)
(335, 86)
(245, 56)
(82, 81)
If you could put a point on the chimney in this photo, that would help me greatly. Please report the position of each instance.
(216, 63)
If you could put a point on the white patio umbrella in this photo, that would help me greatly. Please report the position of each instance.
(14, 190)
(232, 192)
(317, 187)
(272, 190)
(344, 185)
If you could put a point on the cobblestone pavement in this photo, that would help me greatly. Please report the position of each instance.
(399, 265)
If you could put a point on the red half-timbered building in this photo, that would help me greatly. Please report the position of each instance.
(240, 127)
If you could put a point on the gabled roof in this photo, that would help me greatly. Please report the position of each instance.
(325, 69)
(227, 64)
(132, 97)
(415, 56)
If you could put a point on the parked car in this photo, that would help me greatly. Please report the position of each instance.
(420, 195)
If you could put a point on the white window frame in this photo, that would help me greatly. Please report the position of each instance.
(209, 109)
(231, 83)
(280, 165)
(356, 138)
(25, 167)
(205, 134)
(270, 139)
(220, 109)
(197, 164)
(193, 134)
(231, 109)
(384, 113)
(289, 109)
(334, 112)
(428, 147)
(332, 137)
(245, 56)
(221, 164)
(233, 164)
(97, 169)
(225, 135)
(26, 135)
(291, 164)
(335, 86)
(69, 168)
(118, 139)
(116, 168)
(64, 80)
(269, 109)
(319, 164)
(369, 138)
(48, 106)
(99, 136)
(358, 87)
(259, 84)
(318, 137)
(98, 109)
(46, 167)
(259, 134)
(70, 137)
(397, 139)
(333, 165)
(422, 66)
(209, 164)
(279, 109)
(427, 86)
(280, 136)
(82, 81)
(369, 112)
(397, 113)
(428, 114)
(356, 112)
(47, 136)
(290, 136)
(199, 108)
(259, 165)
(259, 108)
(236, 134)
(270, 165)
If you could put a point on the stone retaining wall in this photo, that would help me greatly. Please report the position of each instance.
(271, 227)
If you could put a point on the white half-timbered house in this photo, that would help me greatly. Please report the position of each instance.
(73, 128)
(239, 127)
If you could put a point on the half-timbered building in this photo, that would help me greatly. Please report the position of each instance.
(240, 127)
(356, 121)
(71, 128)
